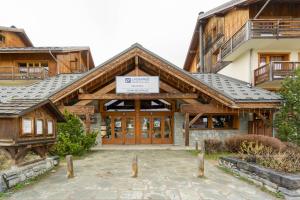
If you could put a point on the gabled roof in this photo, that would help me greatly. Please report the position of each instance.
(21, 32)
(20, 107)
(208, 84)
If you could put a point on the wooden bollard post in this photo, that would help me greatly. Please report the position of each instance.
(70, 169)
(135, 166)
(196, 146)
(200, 164)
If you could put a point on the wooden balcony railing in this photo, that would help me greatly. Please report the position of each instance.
(262, 28)
(16, 73)
(276, 70)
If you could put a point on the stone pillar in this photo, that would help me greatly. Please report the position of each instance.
(97, 127)
(178, 128)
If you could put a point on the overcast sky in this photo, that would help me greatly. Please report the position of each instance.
(109, 26)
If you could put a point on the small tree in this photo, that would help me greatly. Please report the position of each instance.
(72, 138)
(287, 120)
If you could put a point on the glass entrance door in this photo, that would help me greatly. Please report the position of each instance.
(130, 133)
(145, 130)
(118, 130)
(129, 129)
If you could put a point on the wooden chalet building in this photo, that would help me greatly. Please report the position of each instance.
(20, 60)
(27, 125)
(137, 97)
(256, 41)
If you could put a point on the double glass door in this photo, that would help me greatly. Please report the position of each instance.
(143, 129)
(155, 129)
(123, 130)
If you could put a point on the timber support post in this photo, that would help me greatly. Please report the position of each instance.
(187, 129)
(200, 160)
(134, 167)
(70, 169)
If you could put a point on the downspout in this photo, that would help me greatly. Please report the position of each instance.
(201, 44)
(55, 60)
(251, 67)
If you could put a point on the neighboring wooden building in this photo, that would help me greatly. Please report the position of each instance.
(19, 59)
(28, 125)
(252, 40)
(203, 105)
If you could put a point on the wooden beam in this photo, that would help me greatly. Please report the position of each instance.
(195, 119)
(262, 9)
(187, 129)
(78, 109)
(138, 96)
(205, 108)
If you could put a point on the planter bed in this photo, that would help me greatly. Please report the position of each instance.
(288, 184)
(10, 178)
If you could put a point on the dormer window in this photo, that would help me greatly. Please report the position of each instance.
(2, 39)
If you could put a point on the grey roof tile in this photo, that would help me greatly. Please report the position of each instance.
(236, 89)
(41, 90)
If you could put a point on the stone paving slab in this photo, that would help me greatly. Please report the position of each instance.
(163, 174)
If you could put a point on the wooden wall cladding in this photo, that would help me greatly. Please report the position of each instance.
(12, 40)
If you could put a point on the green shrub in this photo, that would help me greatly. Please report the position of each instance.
(234, 143)
(287, 120)
(72, 138)
(213, 145)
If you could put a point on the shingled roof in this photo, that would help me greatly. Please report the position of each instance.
(39, 90)
(235, 89)
(19, 107)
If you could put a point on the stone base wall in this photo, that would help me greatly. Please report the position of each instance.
(20, 174)
(289, 185)
(200, 135)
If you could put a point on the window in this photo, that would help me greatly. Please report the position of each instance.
(33, 67)
(39, 127)
(215, 122)
(202, 122)
(223, 121)
(266, 58)
(2, 39)
(50, 127)
(27, 126)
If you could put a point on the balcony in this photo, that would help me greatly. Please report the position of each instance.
(277, 70)
(17, 73)
(261, 29)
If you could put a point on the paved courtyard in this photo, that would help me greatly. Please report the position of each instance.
(163, 174)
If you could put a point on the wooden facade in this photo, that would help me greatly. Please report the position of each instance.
(28, 126)
(13, 37)
(227, 27)
(19, 59)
